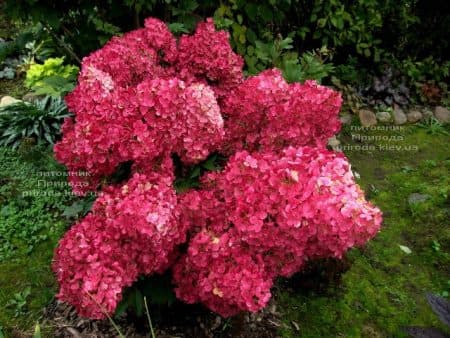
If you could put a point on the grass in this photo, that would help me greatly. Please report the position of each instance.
(384, 288)
(31, 204)
(382, 291)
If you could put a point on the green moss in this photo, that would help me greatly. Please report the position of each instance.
(31, 203)
(384, 288)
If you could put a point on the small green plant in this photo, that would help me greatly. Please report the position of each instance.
(19, 302)
(40, 120)
(433, 127)
(310, 66)
(8, 68)
(436, 246)
(51, 78)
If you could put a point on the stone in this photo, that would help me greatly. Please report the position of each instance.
(345, 118)
(414, 116)
(7, 100)
(367, 118)
(334, 143)
(427, 113)
(442, 114)
(415, 198)
(384, 117)
(399, 116)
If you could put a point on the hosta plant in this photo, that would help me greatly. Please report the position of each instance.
(40, 120)
(159, 106)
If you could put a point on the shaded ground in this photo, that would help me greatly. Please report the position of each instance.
(373, 293)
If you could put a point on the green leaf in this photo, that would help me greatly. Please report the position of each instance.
(266, 13)
(195, 172)
(251, 36)
(178, 27)
(251, 10)
(321, 22)
(73, 210)
(139, 303)
(122, 307)
(405, 249)
(209, 163)
(37, 331)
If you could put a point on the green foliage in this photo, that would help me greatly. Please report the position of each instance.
(265, 32)
(433, 127)
(311, 66)
(425, 69)
(188, 177)
(79, 208)
(33, 194)
(28, 194)
(355, 24)
(157, 289)
(19, 302)
(40, 121)
(52, 77)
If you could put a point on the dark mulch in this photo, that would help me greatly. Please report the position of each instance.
(179, 320)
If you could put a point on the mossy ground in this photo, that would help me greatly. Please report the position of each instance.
(384, 288)
(31, 223)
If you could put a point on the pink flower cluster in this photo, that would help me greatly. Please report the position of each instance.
(281, 200)
(133, 229)
(264, 216)
(267, 113)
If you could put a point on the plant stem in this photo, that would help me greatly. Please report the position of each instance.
(149, 319)
(107, 315)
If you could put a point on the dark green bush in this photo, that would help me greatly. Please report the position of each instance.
(267, 32)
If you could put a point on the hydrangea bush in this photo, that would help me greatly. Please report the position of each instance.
(282, 198)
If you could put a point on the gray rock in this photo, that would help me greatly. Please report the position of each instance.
(367, 118)
(346, 119)
(417, 198)
(384, 117)
(7, 100)
(442, 114)
(427, 113)
(334, 143)
(414, 116)
(399, 116)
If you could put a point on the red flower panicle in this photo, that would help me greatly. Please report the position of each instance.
(281, 200)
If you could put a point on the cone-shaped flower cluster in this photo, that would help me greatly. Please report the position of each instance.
(281, 200)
